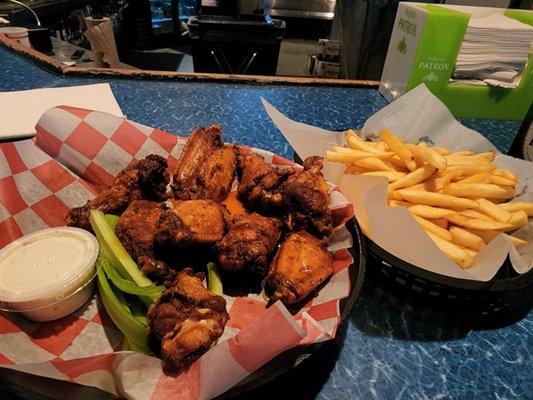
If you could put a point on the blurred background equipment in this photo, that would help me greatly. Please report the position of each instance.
(325, 63)
(235, 44)
(318, 9)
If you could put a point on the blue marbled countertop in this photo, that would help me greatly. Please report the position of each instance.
(393, 345)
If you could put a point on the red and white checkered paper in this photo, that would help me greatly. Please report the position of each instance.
(73, 156)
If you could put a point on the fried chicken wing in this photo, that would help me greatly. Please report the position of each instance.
(206, 220)
(144, 179)
(259, 182)
(301, 264)
(306, 196)
(136, 229)
(206, 167)
(217, 173)
(249, 243)
(185, 321)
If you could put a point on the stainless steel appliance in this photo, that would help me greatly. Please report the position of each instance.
(318, 9)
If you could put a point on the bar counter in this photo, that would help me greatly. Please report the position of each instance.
(394, 344)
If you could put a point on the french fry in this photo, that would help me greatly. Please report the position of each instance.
(394, 195)
(443, 223)
(356, 143)
(475, 214)
(397, 163)
(494, 211)
(487, 236)
(431, 227)
(481, 224)
(437, 183)
(465, 238)
(428, 156)
(505, 173)
(483, 177)
(373, 164)
(436, 199)
(500, 180)
(380, 145)
(398, 147)
(354, 169)
(496, 201)
(462, 153)
(476, 190)
(353, 155)
(467, 160)
(471, 252)
(467, 170)
(517, 242)
(460, 256)
(519, 219)
(519, 205)
(414, 177)
(399, 203)
(430, 212)
(442, 151)
(392, 176)
(489, 155)
(434, 183)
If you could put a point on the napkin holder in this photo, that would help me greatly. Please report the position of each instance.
(423, 48)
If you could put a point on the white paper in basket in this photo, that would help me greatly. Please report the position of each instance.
(416, 116)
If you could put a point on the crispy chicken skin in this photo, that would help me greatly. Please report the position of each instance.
(306, 197)
(217, 173)
(185, 321)
(136, 229)
(301, 264)
(206, 167)
(249, 243)
(206, 220)
(259, 182)
(144, 179)
(147, 228)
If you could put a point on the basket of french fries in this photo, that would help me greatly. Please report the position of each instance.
(460, 199)
(439, 204)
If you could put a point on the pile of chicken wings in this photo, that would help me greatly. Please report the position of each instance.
(168, 222)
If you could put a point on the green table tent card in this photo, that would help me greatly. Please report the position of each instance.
(424, 45)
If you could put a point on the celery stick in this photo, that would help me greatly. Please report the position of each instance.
(112, 247)
(112, 220)
(214, 283)
(126, 346)
(126, 285)
(131, 327)
(138, 310)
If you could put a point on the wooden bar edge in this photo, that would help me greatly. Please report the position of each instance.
(50, 64)
(37, 57)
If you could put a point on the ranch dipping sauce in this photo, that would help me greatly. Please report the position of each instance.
(48, 274)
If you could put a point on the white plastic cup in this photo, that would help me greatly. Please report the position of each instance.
(17, 33)
(59, 293)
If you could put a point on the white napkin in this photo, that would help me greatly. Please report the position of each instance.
(491, 44)
(20, 111)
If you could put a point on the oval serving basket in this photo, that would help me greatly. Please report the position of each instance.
(437, 286)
